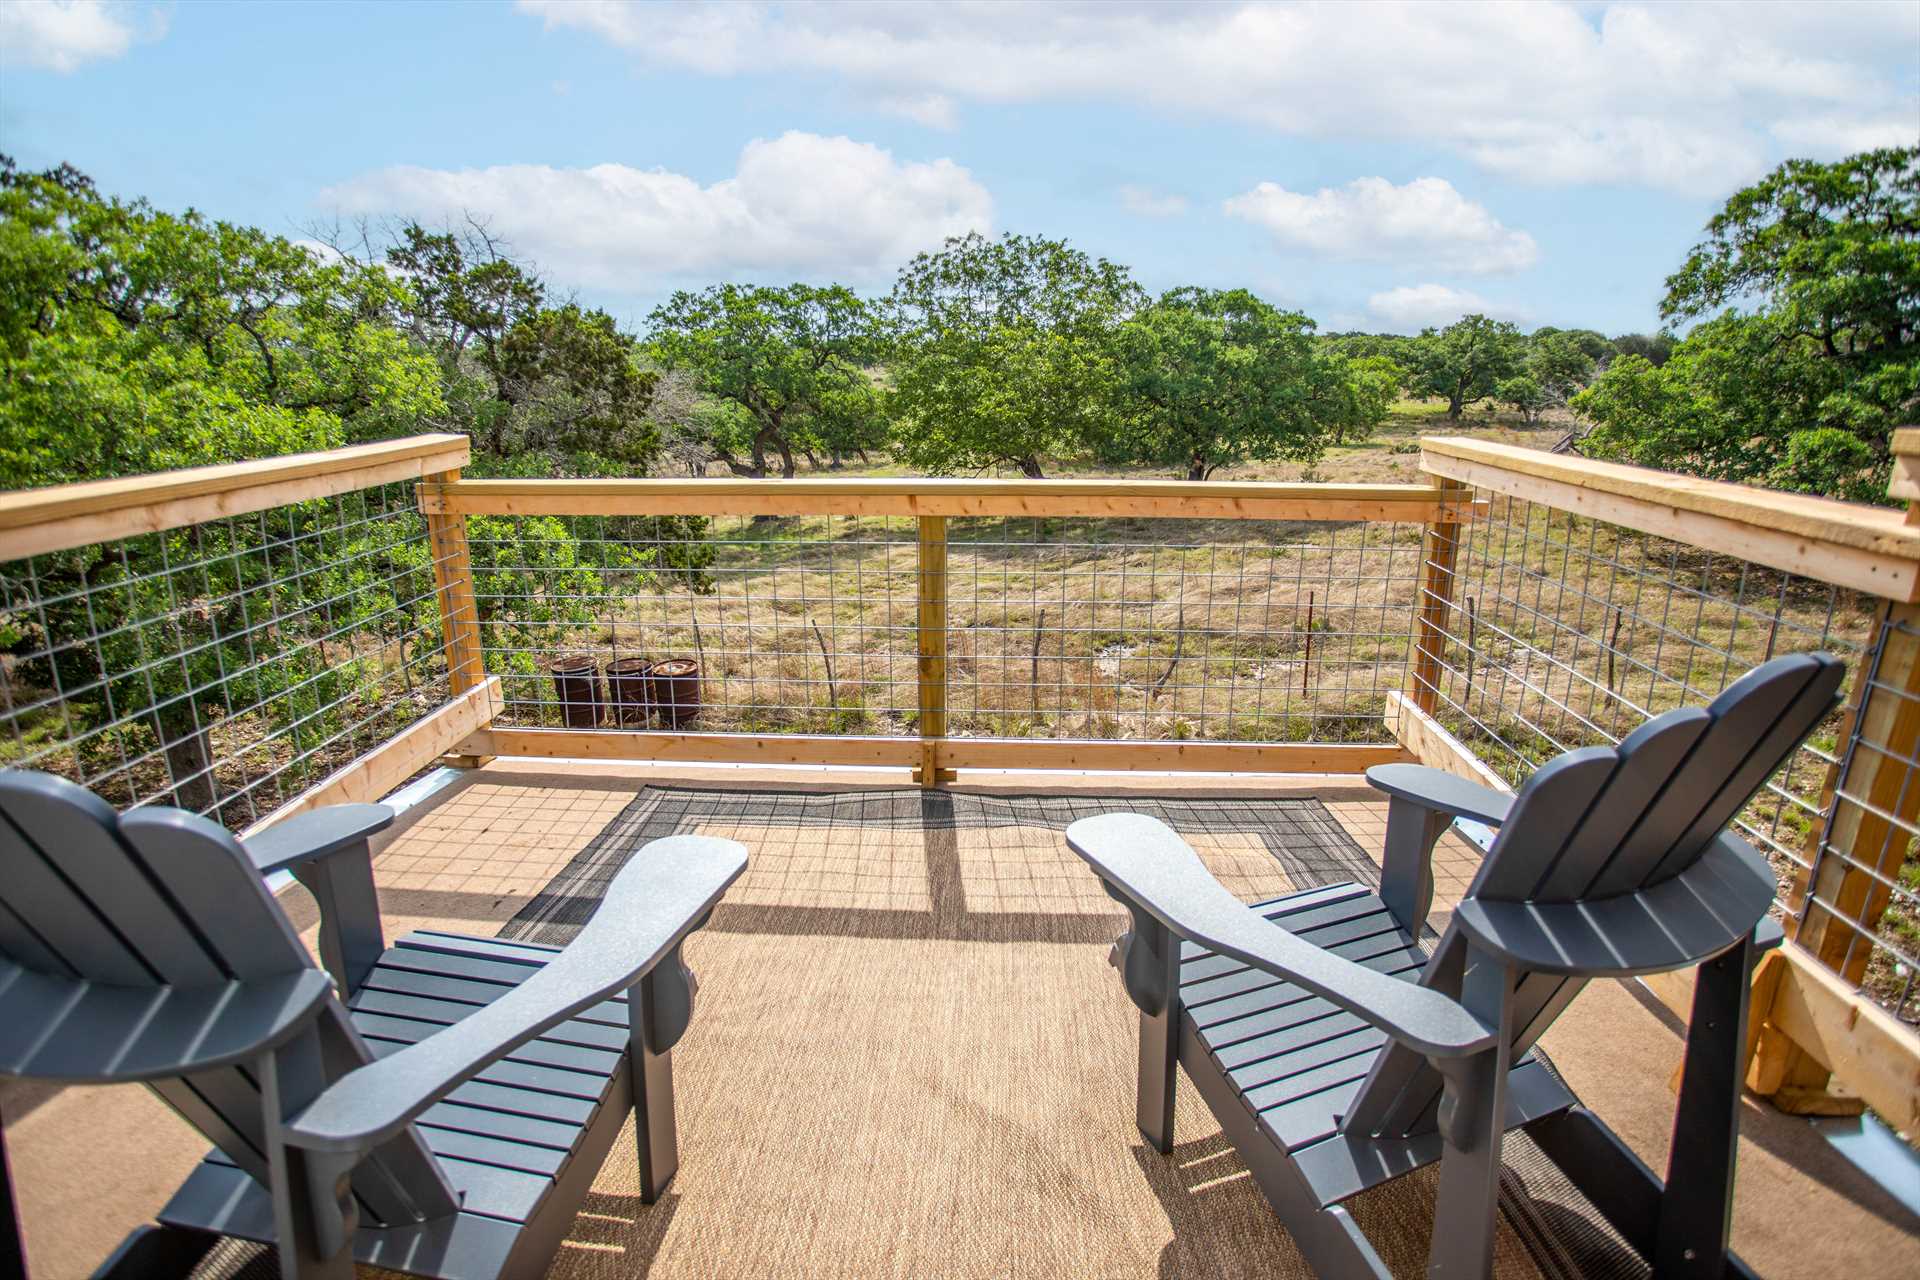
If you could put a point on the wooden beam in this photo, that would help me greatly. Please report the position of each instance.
(36, 521)
(961, 753)
(1430, 743)
(1905, 481)
(704, 748)
(930, 629)
(1439, 549)
(375, 774)
(1872, 1053)
(1869, 549)
(1165, 756)
(1191, 500)
(453, 592)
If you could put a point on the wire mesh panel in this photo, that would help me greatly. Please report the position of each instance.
(1860, 905)
(722, 624)
(1564, 632)
(1056, 628)
(226, 666)
(1220, 630)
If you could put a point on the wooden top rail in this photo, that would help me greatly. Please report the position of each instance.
(1870, 549)
(1201, 500)
(34, 521)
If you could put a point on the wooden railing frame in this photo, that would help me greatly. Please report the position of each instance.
(60, 517)
(915, 498)
(1811, 1025)
(932, 756)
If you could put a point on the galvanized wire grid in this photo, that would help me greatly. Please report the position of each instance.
(227, 666)
(1229, 630)
(1883, 957)
(795, 625)
(1564, 632)
(1098, 628)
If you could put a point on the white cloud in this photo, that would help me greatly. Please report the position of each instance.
(934, 110)
(1148, 202)
(64, 35)
(1371, 219)
(1413, 307)
(798, 206)
(1682, 96)
(1839, 133)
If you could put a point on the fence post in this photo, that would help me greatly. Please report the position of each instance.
(1439, 549)
(1872, 805)
(453, 588)
(932, 634)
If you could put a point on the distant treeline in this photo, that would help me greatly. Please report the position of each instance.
(135, 339)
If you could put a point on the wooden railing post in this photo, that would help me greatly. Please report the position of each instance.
(932, 631)
(1434, 600)
(1872, 805)
(453, 586)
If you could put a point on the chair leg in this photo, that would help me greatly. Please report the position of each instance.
(314, 1215)
(13, 1246)
(659, 1007)
(1159, 1032)
(1472, 1120)
(653, 1121)
(1696, 1207)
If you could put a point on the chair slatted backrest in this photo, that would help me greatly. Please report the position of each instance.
(1602, 822)
(165, 898)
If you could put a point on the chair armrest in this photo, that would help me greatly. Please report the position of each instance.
(653, 904)
(1441, 792)
(326, 849)
(1148, 862)
(284, 846)
(1424, 804)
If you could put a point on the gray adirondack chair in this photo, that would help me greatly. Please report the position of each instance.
(438, 1108)
(1339, 1049)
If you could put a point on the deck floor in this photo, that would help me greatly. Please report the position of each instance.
(911, 1059)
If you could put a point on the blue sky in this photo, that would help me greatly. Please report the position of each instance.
(1377, 166)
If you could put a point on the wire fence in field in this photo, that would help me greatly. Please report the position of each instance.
(226, 666)
(1084, 628)
(1564, 632)
(1242, 631)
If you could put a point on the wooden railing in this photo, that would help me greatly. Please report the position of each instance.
(1842, 876)
(137, 602)
(932, 753)
(1842, 826)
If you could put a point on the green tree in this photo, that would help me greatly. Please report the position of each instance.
(543, 390)
(792, 360)
(1003, 352)
(1655, 348)
(135, 340)
(1214, 378)
(1465, 362)
(1525, 394)
(1811, 356)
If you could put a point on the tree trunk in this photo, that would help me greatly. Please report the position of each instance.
(1030, 468)
(189, 757)
(813, 463)
(1455, 403)
(1197, 467)
(787, 467)
(755, 470)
